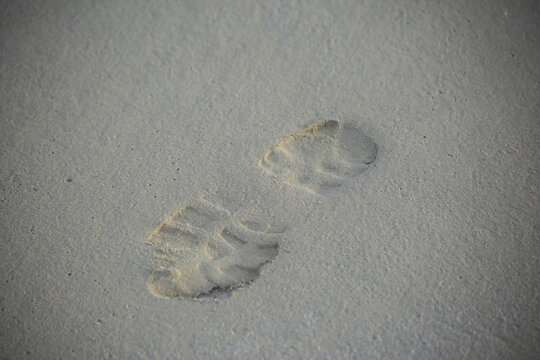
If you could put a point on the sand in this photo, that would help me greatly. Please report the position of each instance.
(117, 115)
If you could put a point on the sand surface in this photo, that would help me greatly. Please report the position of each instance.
(117, 114)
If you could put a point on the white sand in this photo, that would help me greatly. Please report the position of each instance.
(114, 115)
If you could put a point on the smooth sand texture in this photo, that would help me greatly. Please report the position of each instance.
(115, 115)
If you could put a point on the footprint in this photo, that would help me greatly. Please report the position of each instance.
(321, 156)
(202, 248)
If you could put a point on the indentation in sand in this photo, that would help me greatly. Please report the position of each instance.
(202, 248)
(321, 156)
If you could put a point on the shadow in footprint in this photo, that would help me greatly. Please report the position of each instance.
(321, 156)
(202, 249)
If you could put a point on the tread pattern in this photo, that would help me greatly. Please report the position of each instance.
(321, 156)
(202, 248)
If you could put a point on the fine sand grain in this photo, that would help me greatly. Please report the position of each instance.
(321, 156)
(201, 248)
(339, 179)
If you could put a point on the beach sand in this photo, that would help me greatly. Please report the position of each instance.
(116, 115)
